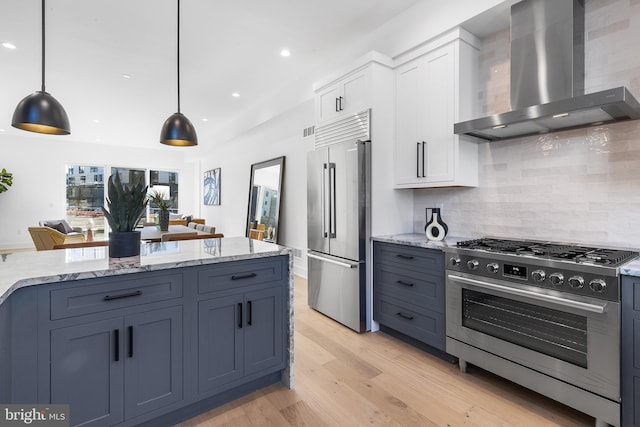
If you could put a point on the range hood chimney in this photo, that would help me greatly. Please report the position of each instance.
(547, 77)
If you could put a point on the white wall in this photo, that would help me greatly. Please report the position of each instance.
(38, 166)
(280, 136)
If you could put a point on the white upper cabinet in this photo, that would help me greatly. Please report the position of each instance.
(431, 90)
(348, 95)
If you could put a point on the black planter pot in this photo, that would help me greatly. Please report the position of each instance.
(163, 220)
(123, 244)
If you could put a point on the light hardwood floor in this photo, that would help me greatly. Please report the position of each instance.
(346, 379)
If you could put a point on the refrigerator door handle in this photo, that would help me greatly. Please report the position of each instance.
(324, 200)
(331, 261)
(332, 200)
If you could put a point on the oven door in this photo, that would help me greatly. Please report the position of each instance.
(573, 339)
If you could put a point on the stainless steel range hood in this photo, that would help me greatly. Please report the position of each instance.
(547, 77)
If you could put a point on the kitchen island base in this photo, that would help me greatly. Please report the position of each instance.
(151, 345)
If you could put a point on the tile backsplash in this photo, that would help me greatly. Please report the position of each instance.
(579, 186)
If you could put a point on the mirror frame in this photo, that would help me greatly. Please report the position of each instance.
(278, 161)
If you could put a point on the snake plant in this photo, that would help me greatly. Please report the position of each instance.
(6, 179)
(126, 204)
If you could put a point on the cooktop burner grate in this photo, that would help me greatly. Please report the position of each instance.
(559, 251)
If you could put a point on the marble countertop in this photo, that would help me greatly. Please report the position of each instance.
(419, 240)
(632, 268)
(22, 269)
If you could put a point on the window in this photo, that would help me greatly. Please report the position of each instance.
(85, 198)
(166, 179)
(93, 169)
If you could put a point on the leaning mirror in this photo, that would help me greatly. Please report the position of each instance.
(265, 195)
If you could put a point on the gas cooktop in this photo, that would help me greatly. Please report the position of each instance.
(553, 251)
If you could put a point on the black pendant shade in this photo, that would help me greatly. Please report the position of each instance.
(178, 129)
(40, 112)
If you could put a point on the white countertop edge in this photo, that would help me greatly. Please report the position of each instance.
(419, 240)
(121, 266)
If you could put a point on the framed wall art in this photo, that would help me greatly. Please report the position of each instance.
(211, 187)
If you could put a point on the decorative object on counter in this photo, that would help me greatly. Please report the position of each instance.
(6, 179)
(178, 129)
(211, 187)
(40, 112)
(436, 229)
(161, 200)
(126, 204)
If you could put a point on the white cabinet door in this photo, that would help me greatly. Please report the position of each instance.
(327, 100)
(408, 151)
(426, 149)
(348, 95)
(438, 115)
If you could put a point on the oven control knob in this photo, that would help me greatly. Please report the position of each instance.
(556, 279)
(492, 268)
(539, 275)
(598, 285)
(472, 264)
(576, 282)
(454, 262)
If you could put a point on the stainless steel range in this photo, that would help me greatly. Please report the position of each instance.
(544, 315)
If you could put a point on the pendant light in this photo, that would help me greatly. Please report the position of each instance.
(40, 112)
(177, 129)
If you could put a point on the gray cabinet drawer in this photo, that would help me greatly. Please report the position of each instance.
(240, 273)
(408, 257)
(421, 289)
(424, 325)
(96, 295)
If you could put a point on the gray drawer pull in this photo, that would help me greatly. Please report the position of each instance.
(130, 294)
(243, 276)
(404, 283)
(405, 316)
(404, 256)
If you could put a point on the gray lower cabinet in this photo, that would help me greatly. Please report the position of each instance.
(147, 348)
(630, 340)
(239, 336)
(408, 291)
(118, 368)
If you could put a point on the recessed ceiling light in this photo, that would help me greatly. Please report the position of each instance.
(98, 140)
(205, 119)
(126, 76)
(96, 121)
(285, 52)
(1, 130)
(235, 94)
(9, 45)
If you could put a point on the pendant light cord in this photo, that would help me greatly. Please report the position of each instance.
(43, 46)
(178, 62)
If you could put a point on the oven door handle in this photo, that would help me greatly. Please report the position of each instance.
(594, 308)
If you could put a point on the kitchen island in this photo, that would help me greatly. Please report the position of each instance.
(153, 339)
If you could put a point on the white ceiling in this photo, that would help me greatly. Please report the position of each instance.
(226, 46)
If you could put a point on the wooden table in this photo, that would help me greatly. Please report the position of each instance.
(153, 233)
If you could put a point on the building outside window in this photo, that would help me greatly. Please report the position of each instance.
(85, 197)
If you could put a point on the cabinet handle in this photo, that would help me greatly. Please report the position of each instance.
(403, 256)
(116, 337)
(130, 341)
(130, 294)
(250, 314)
(337, 105)
(418, 160)
(243, 276)
(404, 283)
(424, 160)
(404, 316)
(340, 98)
(240, 315)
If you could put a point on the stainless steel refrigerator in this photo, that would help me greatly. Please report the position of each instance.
(338, 220)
